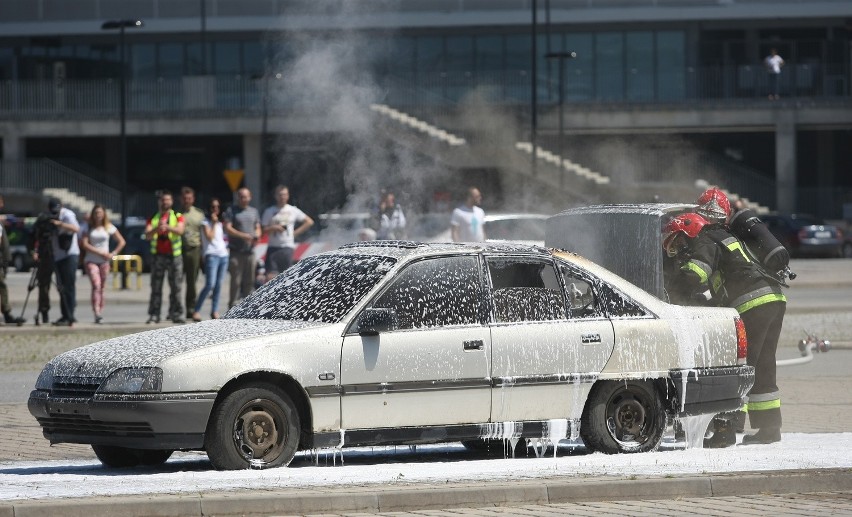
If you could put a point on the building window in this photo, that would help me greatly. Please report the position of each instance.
(671, 65)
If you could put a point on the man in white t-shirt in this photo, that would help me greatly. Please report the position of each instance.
(467, 223)
(773, 64)
(279, 223)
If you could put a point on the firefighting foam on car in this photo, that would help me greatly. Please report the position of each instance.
(492, 343)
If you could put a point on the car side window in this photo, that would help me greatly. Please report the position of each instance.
(582, 301)
(525, 290)
(435, 292)
(619, 306)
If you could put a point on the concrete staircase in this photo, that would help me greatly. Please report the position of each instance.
(76, 202)
(567, 164)
(420, 125)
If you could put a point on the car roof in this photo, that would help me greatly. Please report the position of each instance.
(407, 249)
(513, 216)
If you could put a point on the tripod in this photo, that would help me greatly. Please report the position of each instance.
(42, 273)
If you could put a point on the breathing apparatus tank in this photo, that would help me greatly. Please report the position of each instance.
(769, 252)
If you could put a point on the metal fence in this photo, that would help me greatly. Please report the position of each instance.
(38, 174)
(190, 96)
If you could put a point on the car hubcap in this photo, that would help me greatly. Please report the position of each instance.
(257, 432)
(626, 419)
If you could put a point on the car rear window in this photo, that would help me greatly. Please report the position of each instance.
(320, 288)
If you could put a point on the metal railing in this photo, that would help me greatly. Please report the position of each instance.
(38, 174)
(45, 10)
(191, 96)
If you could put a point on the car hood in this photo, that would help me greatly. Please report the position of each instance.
(150, 348)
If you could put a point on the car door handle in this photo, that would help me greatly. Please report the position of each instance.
(590, 338)
(475, 344)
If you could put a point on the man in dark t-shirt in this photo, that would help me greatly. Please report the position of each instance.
(242, 224)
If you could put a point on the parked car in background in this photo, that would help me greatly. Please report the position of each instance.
(805, 235)
(20, 233)
(136, 243)
(517, 227)
(491, 343)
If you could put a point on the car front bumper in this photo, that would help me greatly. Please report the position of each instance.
(710, 390)
(159, 421)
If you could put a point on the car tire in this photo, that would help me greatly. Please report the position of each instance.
(19, 263)
(120, 457)
(623, 417)
(847, 250)
(253, 427)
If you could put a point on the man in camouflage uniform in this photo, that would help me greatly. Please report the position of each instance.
(164, 230)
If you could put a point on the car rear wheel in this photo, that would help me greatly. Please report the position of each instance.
(625, 416)
(253, 427)
(125, 457)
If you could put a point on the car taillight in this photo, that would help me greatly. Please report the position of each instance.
(742, 341)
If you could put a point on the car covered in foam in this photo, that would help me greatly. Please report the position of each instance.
(393, 342)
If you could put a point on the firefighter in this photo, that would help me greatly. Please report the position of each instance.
(714, 206)
(713, 259)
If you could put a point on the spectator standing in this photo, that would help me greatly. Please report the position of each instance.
(66, 258)
(215, 260)
(391, 218)
(5, 258)
(279, 224)
(193, 217)
(242, 225)
(773, 63)
(164, 229)
(467, 223)
(98, 256)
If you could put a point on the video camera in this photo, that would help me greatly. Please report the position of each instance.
(44, 224)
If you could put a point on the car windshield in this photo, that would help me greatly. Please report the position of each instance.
(320, 288)
(806, 220)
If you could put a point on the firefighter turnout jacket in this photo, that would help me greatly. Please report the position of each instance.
(717, 261)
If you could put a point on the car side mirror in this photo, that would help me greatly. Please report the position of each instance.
(375, 320)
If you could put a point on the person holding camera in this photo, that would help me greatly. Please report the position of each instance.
(57, 250)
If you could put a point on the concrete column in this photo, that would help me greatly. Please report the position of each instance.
(252, 168)
(785, 161)
(825, 173)
(14, 153)
(14, 148)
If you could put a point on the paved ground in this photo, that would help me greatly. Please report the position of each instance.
(817, 397)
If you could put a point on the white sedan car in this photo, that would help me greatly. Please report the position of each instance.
(403, 343)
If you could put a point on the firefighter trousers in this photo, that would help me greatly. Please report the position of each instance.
(763, 327)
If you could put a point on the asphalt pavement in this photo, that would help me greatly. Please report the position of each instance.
(817, 397)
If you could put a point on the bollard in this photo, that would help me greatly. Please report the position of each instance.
(132, 264)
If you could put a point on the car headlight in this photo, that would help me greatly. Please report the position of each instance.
(133, 380)
(45, 378)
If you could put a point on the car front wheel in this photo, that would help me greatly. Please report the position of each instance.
(125, 457)
(253, 427)
(624, 416)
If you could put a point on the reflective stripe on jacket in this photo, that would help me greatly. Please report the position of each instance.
(174, 238)
(719, 262)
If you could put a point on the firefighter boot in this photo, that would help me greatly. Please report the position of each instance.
(763, 435)
(8, 318)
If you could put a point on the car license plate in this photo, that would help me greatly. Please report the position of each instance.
(822, 235)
